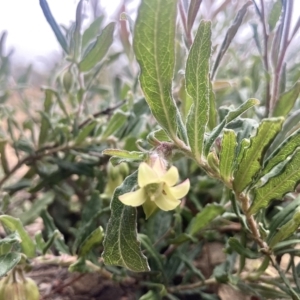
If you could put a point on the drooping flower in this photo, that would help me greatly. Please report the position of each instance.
(156, 188)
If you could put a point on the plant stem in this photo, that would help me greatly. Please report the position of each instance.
(265, 57)
(284, 46)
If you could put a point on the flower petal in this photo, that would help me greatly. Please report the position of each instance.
(171, 177)
(159, 166)
(146, 175)
(180, 190)
(149, 208)
(166, 203)
(135, 198)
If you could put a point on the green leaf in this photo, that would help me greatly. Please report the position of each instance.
(45, 123)
(274, 14)
(50, 19)
(52, 233)
(287, 229)
(282, 217)
(198, 87)
(8, 262)
(97, 53)
(13, 224)
(3, 156)
(213, 114)
(286, 101)
(115, 123)
(285, 149)
(230, 34)
(241, 250)
(253, 155)
(91, 32)
(203, 218)
(121, 246)
(151, 251)
(95, 238)
(227, 154)
(85, 132)
(37, 207)
(231, 115)
(289, 126)
(154, 48)
(120, 156)
(279, 185)
(8, 242)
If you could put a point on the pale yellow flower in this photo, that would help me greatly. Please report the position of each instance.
(157, 188)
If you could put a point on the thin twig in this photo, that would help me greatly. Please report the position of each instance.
(106, 111)
(265, 57)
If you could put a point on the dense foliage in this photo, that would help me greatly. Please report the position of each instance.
(205, 92)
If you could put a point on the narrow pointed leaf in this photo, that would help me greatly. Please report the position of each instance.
(289, 126)
(241, 250)
(3, 156)
(203, 218)
(286, 101)
(252, 159)
(50, 19)
(285, 149)
(230, 34)
(227, 154)
(121, 247)
(154, 48)
(94, 239)
(192, 13)
(287, 229)
(275, 14)
(279, 185)
(14, 224)
(92, 31)
(198, 85)
(97, 53)
(232, 115)
(119, 156)
(115, 123)
(282, 217)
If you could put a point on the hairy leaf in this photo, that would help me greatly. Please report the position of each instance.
(227, 154)
(198, 85)
(279, 185)
(252, 159)
(97, 53)
(154, 48)
(286, 101)
(121, 246)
